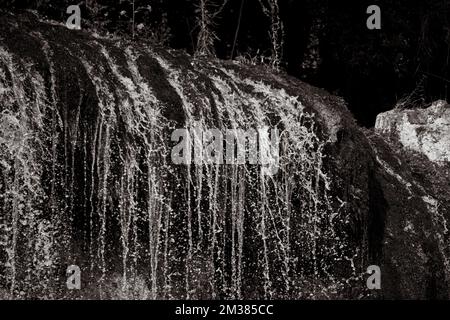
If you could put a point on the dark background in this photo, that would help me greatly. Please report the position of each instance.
(326, 42)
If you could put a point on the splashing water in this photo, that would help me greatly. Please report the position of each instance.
(87, 179)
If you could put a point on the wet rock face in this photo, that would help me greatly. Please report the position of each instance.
(413, 152)
(423, 130)
(414, 200)
(87, 179)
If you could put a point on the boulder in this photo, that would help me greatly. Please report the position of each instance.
(426, 131)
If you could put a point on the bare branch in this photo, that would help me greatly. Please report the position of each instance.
(206, 24)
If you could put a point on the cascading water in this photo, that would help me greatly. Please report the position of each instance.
(87, 179)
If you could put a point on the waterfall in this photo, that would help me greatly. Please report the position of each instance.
(87, 179)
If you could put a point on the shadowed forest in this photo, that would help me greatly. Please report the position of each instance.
(325, 43)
